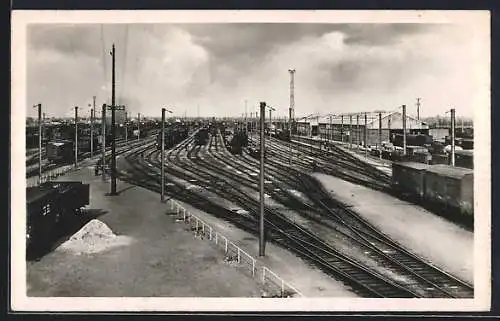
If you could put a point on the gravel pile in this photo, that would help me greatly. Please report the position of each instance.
(94, 237)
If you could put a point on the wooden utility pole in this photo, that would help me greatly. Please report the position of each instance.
(103, 142)
(163, 155)
(350, 131)
(404, 130)
(262, 240)
(76, 136)
(138, 125)
(453, 137)
(380, 135)
(126, 129)
(39, 106)
(366, 136)
(342, 128)
(92, 111)
(113, 127)
(357, 131)
(418, 108)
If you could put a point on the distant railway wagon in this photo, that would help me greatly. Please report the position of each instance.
(412, 140)
(201, 137)
(443, 185)
(60, 151)
(49, 206)
(173, 136)
(235, 143)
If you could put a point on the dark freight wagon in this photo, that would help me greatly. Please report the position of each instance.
(442, 186)
(450, 186)
(50, 204)
(409, 177)
(60, 151)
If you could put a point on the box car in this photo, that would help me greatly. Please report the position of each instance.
(408, 177)
(49, 204)
(450, 186)
(464, 158)
(60, 151)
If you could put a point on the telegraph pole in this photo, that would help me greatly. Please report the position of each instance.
(404, 130)
(331, 129)
(246, 125)
(126, 129)
(342, 128)
(113, 128)
(262, 240)
(418, 108)
(357, 131)
(366, 136)
(163, 155)
(103, 141)
(138, 125)
(291, 110)
(350, 131)
(39, 106)
(453, 137)
(76, 136)
(92, 111)
(380, 135)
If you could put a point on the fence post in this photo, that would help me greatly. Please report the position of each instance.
(196, 226)
(253, 267)
(226, 243)
(282, 288)
(210, 236)
(238, 254)
(216, 238)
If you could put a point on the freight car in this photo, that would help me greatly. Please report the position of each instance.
(450, 189)
(60, 152)
(412, 140)
(201, 137)
(173, 135)
(464, 158)
(49, 206)
(236, 142)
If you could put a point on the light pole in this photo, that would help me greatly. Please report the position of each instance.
(138, 125)
(76, 136)
(39, 106)
(262, 151)
(103, 141)
(163, 153)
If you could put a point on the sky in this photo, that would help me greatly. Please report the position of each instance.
(211, 69)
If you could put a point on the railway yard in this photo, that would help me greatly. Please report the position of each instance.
(337, 223)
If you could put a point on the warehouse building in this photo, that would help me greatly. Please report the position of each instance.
(352, 128)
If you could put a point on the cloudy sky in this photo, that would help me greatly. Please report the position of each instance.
(339, 67)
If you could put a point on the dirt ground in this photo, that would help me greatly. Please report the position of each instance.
(142, 252)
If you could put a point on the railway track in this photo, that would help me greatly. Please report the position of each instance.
(32, 169)
(292, 235)
(439, 282)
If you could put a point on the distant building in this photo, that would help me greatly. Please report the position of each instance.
(351, 127)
